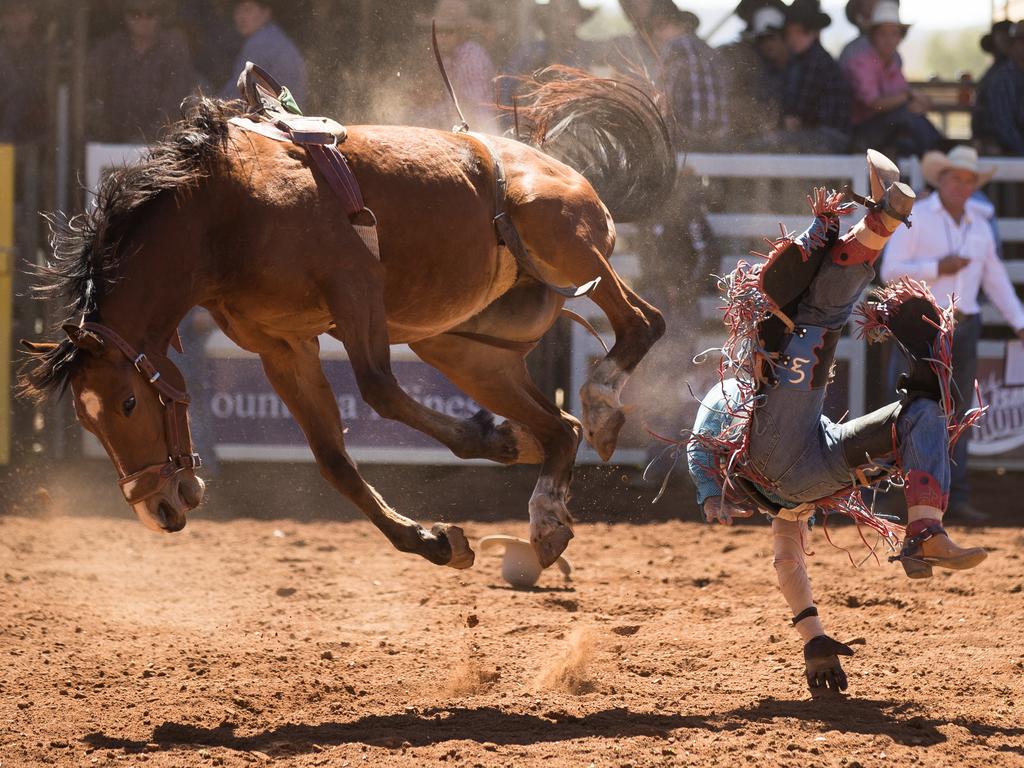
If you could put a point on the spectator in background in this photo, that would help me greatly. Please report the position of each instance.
(753, 67)
(690, 78)
(951, 247)
(212, 40)
(767, 30)
(266, 44)
(815, 94)
(858, 13)
(469, 66)
(640, 47)
(887, 114)
(22, 62)
(558, 22)
(137, 76)
(998, 118)
(997, 43)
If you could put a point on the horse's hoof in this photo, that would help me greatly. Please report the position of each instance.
(604, 438)
(552, 544)
(603, 418)
(462, 554)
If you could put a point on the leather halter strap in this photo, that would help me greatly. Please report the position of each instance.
(150, 480)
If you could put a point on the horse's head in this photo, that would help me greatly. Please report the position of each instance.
(139, 414)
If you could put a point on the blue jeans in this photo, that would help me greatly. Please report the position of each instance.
(965, 371)
(800, 450)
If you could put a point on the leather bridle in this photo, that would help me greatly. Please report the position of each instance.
(150, 480)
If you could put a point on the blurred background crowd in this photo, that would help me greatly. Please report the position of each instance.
(761, 77)
(775, 87)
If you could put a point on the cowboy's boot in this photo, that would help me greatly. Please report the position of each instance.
(889, 207)
(927, 544)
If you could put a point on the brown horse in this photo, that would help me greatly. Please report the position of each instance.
(244, 226)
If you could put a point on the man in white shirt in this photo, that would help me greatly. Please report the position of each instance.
(951, 247)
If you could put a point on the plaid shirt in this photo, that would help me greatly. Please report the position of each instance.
(999, 112)
(693, 84)
(816, 91)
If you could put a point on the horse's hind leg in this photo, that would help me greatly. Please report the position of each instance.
(497, 378)
(637, 325)
(355, 299)
(296, 375)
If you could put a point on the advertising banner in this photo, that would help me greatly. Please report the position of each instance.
(999, 440)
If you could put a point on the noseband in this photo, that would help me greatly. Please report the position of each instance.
(148, 481)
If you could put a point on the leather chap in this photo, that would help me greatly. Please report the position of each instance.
(806, 358)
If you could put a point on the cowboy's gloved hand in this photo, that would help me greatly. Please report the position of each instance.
(821, 658)
(717, 509)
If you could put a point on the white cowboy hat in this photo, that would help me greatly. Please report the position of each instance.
(887, 12)
(767, 20)
(520, 566)
(960, 157)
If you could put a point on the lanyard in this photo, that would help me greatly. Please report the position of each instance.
(958, 249)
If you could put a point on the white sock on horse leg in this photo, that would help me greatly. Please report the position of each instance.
(787, 546)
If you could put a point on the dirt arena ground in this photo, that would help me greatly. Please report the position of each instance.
(245, 642)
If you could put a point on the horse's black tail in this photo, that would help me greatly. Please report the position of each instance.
(611, 131)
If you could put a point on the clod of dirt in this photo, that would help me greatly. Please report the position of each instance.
(286, 591)
(472, 620)
(570, 671)
(626, 629)
(564, 603)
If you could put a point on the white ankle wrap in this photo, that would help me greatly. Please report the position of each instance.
(787, 545)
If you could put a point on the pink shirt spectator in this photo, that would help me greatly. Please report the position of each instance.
(870, 79)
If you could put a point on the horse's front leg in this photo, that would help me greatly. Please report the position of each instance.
(297, 376)
(356, 302)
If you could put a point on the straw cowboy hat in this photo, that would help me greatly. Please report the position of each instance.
(887, 12)
(960, 158)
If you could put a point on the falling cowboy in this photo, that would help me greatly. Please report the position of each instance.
(760, 441)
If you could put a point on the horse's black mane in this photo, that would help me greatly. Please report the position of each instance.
(86, 247)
